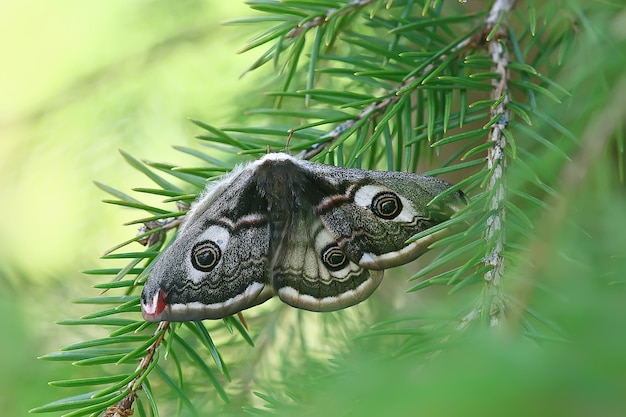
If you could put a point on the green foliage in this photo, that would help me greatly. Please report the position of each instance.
(522, 109)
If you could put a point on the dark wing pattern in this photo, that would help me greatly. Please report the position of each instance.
(311, 271)
(374, 213)
(218, 263)
(318, 236)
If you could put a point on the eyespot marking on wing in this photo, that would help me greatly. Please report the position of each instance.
(374, 197)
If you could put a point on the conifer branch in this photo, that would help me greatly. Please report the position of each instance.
(496, 159)
(125, 406)
(380, 75)
(320, 20)
(380, 106)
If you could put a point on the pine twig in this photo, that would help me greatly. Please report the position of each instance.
(124, 407)
(320, 20)
(380, 106)
(496, 161)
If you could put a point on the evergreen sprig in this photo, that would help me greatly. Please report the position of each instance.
(372, 84)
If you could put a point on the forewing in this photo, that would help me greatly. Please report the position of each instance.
(371, 214)
(217, 265)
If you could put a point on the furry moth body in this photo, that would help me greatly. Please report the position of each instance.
(317, 236)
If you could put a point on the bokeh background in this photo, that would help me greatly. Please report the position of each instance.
(78, 81)
(81, 80)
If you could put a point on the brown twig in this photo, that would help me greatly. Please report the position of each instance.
(320, 20)
(124, 408)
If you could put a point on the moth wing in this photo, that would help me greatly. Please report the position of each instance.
(371, 214)
(217, 264)
(312, 273)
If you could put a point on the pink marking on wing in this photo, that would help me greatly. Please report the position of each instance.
(153, 308)
(328, 203)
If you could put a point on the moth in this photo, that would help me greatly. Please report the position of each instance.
(317, 236)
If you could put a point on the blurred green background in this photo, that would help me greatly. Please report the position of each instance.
(78, 81)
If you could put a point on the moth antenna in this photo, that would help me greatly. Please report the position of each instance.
(288, 140)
